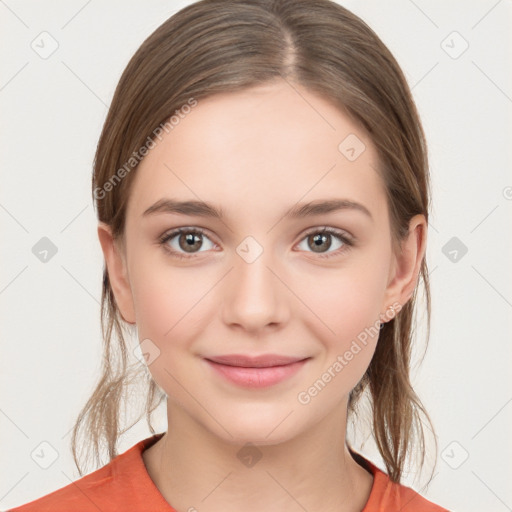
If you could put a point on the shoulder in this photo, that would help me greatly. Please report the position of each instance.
(79, 495)
(387, 495)
(123, 484)
(409, 500)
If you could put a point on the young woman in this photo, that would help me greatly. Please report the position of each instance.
(262, 191)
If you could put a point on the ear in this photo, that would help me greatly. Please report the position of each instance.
(405, 267)
(113, 253)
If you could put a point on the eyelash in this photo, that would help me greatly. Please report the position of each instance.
(348, 243)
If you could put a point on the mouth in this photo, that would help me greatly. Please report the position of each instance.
(261, 361)
(256, 372)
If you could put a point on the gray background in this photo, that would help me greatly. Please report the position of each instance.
(53, 107)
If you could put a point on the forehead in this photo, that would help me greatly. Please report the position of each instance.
(274, 144)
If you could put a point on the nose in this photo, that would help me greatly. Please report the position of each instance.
(255, 297)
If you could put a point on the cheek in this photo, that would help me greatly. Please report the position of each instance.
(172, 308)
(343, 308)
(347, 300)
(167, 297)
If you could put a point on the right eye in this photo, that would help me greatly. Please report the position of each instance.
(187, 240)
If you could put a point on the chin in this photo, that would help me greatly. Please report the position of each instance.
(257, 437)
(259, 428)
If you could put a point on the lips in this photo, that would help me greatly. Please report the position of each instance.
(261, 361)
(255, 371)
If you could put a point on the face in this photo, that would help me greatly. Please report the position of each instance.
(264, 274)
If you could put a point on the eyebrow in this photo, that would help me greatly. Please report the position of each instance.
(300, 210)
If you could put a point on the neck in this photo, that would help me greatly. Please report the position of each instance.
(194, 469)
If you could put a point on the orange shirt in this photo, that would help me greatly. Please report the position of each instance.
(124, 485)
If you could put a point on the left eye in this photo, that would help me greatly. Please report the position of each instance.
(322, 239)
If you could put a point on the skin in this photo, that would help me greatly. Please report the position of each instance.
(256, 154)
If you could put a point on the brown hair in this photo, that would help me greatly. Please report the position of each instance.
(215, 46)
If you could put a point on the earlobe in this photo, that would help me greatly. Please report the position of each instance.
(407, 264)
(117, 272)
